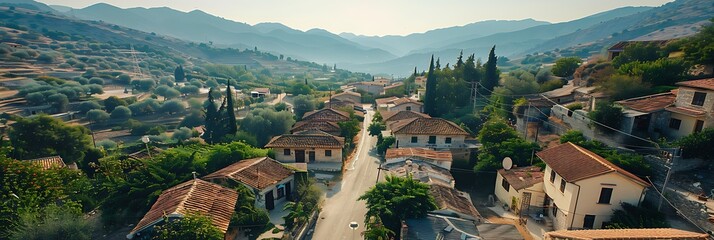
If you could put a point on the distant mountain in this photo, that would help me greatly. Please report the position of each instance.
(198, 26)
(507, 43)
(60, 8)
(401, 45)
(27, 4)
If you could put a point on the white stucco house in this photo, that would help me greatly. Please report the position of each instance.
(521, 189)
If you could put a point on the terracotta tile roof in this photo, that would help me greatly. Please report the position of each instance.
(390, 116)
(423, 153)
(423, 171)
(327, 114)
(257, 173)
(306, 140)
(195, 196)
(686, 111)
(395, 85)
(618, 234)
(651, 103)
(523, 177)
(348, 93)
(328, 127)
(575, 163)
(451, 199)
(262, 90)
(707, 83)
(425, 126)
(48, 162)
(383, 101)
(404, 100)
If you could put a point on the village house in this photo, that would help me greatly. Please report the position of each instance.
(434, 133)
(320, 150)
(692, 111)
(618, 234)
(391, 116)
(51, 162)
(582, 189)
(327, 115)
(272, 182)
(441, 159)
(348, 96)
(420, 81)
(435, 226)
(381, 103)
(344, 105)
(329, 127)
(260, 92)
(645, 116)
(374, 88)
(422, 171)
(196, 196)
(520, 188)
(395, 104)
(452, 202)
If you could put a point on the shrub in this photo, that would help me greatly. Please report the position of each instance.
(96, 115)
(698, 145)
(609, 115)
(96, 80)
(121, 112)
(85, 106)
(106, 144)
(183, 133)
(574, 106)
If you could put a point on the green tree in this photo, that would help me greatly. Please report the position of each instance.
(226, 154)
(491, 74)
(638, 52)
(124, 79)
(375, 230)
(265, 123)
(230, 111)
(386, 142)
(377, 117)
(121, 112)
(660, 72)
(398, 199)
(85, 106)
(179, 74)
(698, 145)
(296, 214)
(375, 128)
(189, 227)
(565, 67)
(193, 119)
(44, 136)
(213, 131)
(59, 102)
(303, 104)
(620, 87)
(349, 130)
(97, 115)
(499, 141)
(54, 222)
(631, 216)
(182, 133)
(173, 106)
(609, 115)
(699, 49)
(430, 96)
(112, 102)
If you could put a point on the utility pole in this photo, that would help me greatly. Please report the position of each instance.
(669, 156)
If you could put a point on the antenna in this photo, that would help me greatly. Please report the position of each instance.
(507, 163)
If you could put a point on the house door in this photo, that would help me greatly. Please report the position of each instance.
(288, 191)
(300, 156)
(546, 205)
(589, 221)
(269, 201)
(698, 126)
(525, 203)
(312, 156)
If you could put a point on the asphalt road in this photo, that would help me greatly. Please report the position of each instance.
(341, 206)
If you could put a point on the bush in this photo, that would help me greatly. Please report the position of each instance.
(46, 58)
(124, 79)
(85, 106)
(183, 133)
(81, 80)
(121, 112)
(698, 145)
(95, 89)
(59, 102)
(574, 106)
(96, 80)
(551, 85)
(173, 106)
(194, 119)
(609, 115)
(96, 115)
(106, 144)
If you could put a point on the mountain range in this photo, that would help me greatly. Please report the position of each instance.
(400, 54)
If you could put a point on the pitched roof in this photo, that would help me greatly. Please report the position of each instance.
(422, 153)
(306, 140)
(707, 83)
(575, 163)
(48, 162)
(423, 126)
(651, 103)
(404, 100)
(328, 127)
(257, 173)
(616, 234)
(195, 196)
(390, 116)
(348, 93)
(327, 114)
(433, 227)
(523, 177)
(686, 111)
(425, 172)
(383, 101)
(394, 85)
(261, 90)
(448, 198)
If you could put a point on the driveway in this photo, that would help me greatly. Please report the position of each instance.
(341, 206)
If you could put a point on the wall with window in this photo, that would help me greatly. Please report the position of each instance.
(277, 197)
(564, 200)
(695, 98)
(440, 141)
(408, 107)
(505, 196)
(320, 154)
(680, 125)
(623, 190)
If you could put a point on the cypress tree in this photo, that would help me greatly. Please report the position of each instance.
(211, 119)
(415, 71)
(430, 97)
(179, 74)
(491, 72)
(232, 127)
(438, 63)
(460, 60)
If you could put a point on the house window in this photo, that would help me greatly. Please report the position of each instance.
(505, 184)
(589, 221)
(286, 152)
(552, 176)
(674, 123)
(409, 108)
(699, 98)
(328, 153)
(432, 139)
(447, 140)
(562, 185)
(605, 195)
(281, 191)
(698, 126)
(555, 210)
(415, 139)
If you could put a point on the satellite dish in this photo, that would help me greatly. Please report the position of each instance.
(507, 163)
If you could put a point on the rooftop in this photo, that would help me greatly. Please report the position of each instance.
(421, 153)
(707, 84)
(306, 139)
(262, 90)
(327, 114)
(328, 127)
(424, 126)
(686, 111)
(48, 162)
(448, 228)
(651, 103)
(617, 234)
(404, 100)
(523, 177)
(575, 163)
(448, 198)
(384, 101)
(258, 173)
(195, 196)
(348, 93)
(390, 116)
(423, 171)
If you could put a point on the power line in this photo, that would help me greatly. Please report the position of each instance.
(676, 209)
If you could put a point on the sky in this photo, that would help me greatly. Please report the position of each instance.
(379, 17)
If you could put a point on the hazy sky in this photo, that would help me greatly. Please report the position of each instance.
(380, 17)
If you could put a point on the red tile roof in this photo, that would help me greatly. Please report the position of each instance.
(48, 162)
(258, 173)
(348, 93)
(306, 139)
(575, 163)
(426, 126)
(686, 111)
(262, 90)
(195, 196)
(651, 103)
(328, 127)
(523, 177)
(619, 234)
(390, 116)
(404, 100)
(422, 153)
(447, 198)
(707, 83)
(327, 114)
(382, 101)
